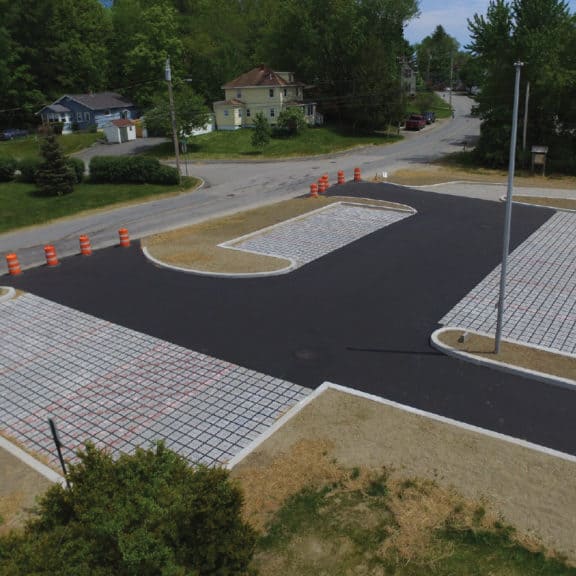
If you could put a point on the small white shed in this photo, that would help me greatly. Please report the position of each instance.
(121, 130)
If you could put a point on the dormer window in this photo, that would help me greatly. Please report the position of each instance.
(271, 92)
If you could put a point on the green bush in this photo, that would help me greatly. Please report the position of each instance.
(28, 168)
(77, 166)
(7, 168)
(143, 514)
(131, 169)
(292, 121)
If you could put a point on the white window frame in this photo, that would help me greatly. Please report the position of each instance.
(272, 112)
(285, 92)
(247, 112)
(226, 112)
(78, 116)
(87, 116)
(238, 93)
(271, 92)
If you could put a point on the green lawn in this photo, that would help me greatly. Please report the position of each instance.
(236, 144)
(27, 147)
(20, 207)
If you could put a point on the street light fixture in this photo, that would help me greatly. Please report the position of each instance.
(508, 217)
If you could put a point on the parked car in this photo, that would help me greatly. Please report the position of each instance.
(415, 122)
(11, 133)
(430, 117)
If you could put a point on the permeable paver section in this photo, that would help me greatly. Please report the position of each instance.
(122, 389)
(314, 235)
(540, 291)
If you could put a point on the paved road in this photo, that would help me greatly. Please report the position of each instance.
(360, 316)
(231, 186)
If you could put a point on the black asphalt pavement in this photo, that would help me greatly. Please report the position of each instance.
(361, 316)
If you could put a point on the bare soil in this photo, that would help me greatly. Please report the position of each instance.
(532, 490)
(566, 203)
(518, 355)
(440, 174)
(196, 247)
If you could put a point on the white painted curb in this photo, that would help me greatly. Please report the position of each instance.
(510, 368)
(409, 409)
(30, 461)
(10, 293)
(503, 199)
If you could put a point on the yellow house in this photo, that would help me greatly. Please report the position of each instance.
(261, 90)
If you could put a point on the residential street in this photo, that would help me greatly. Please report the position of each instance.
(231, 186)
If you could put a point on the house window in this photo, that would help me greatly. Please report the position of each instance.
(272, 113)
(238, 93)
(310, 110)
(87, 116)
(299, 92)
(271, 92)
(285, 92)
(225, 112)
(248, 112)
(107, 112)
(79, 116)
(240, 112)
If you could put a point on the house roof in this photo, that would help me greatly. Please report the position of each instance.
(260, 76)
(233, 102)
(56, 108)
(121, 122)
(100, 100)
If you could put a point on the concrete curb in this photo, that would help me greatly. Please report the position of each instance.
(9, 294)
(30, 461)
(228, 244)
(503, 199)
(510, 368)
(330, 386)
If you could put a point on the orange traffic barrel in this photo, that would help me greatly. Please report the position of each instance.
(13, 264)
(321, 186)
(50, 253)
(357, 175)
(341, 179)
(326, 179)
(85, 248)
(124, 238)
(314, 190)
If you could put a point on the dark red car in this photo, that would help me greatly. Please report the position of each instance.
(415, 122)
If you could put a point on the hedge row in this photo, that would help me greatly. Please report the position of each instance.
(131, 169)
(29, 166)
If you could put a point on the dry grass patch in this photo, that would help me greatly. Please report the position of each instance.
(566, 203)
(196, 247)
(438, 174)
(515, 354)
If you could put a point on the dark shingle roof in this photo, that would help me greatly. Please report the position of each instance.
(101, 100)
(260, 76)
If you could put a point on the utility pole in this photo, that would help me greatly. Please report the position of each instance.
(168, 78)
(508, 217)
(525, 127)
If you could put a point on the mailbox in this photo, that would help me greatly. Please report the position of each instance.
(539, 157)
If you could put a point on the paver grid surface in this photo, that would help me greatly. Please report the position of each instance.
(122, 389)
(317, 234)
(540, 291)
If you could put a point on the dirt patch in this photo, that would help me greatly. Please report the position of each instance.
(515, 354)
(196, 247)
(437, 174)
(20, 485)
(532, 490)
(566, 203)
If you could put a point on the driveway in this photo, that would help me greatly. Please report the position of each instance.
(360, 316)
(124, 149)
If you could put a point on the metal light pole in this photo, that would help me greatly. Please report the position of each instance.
(508, 217)
(168, 77)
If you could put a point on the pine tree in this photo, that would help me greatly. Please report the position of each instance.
(54, 177)
(262, 131)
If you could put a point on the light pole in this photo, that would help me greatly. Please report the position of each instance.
(508, 217)
(168, 77)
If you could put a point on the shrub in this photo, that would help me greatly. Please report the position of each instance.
(77, 166)
(131, 169)
(7, 168)
(142, 514)
(28, 168)
(292, 121)
(262, 131)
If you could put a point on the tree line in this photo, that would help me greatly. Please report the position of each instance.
(349, 51)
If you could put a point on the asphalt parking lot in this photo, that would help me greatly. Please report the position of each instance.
(360, 316)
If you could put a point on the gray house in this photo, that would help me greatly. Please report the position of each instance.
(85, 110)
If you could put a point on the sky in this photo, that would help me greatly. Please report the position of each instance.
(452, 15)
